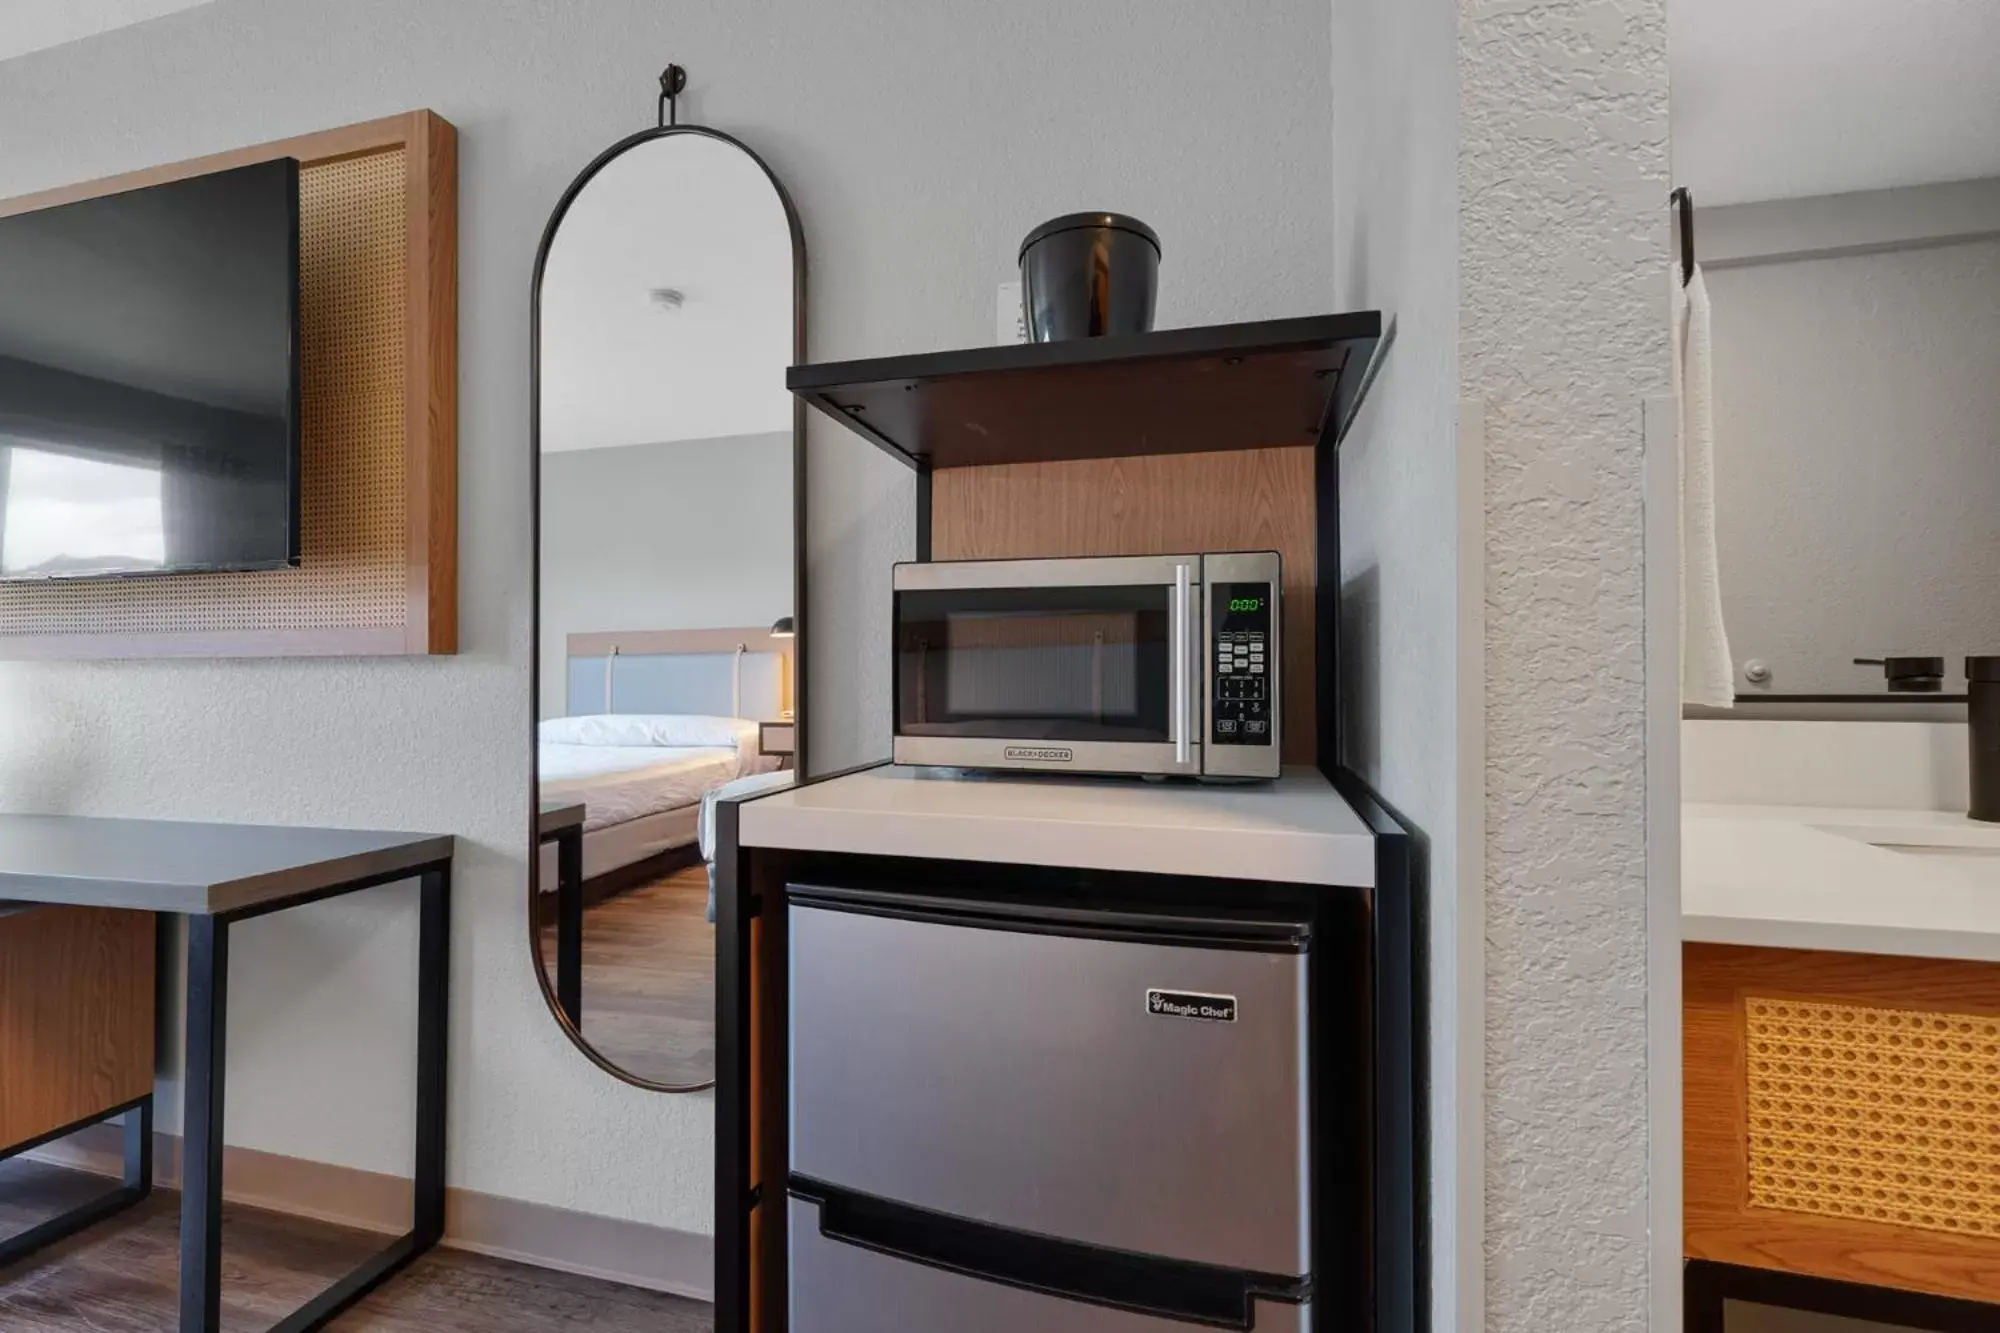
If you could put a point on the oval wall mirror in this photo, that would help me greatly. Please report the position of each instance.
(668, 301)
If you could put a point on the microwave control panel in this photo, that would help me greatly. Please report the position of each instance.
(1242, 665)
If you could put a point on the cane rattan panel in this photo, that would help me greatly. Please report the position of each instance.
(1887, 1115)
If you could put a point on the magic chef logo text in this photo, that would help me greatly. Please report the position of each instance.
(1191, 1004)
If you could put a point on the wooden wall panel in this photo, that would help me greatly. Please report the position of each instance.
(1720, 1221)
(379, 428)
(76, 1015)
(1250, 500)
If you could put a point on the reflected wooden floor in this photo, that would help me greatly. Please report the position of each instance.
(121, 1276)
(649, 978)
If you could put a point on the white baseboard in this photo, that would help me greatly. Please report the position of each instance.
(608, 1248)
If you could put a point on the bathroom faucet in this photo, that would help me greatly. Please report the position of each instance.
(1909, 675)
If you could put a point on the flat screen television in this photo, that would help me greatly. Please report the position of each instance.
(149, 380)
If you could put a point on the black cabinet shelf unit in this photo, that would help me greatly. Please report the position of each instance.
(1230, 386)
(1267, 385)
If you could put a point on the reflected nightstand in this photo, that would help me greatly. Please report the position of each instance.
(778, 738)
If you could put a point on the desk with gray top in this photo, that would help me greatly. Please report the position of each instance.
(214, 875)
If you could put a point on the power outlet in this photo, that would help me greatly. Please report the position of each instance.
(1010, 322)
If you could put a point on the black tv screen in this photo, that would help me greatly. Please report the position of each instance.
(149, 379)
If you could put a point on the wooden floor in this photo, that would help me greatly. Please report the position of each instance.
(649, 978)
(121, 1276)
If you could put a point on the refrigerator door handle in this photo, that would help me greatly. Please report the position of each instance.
(1029, 915)
(1118, 1279)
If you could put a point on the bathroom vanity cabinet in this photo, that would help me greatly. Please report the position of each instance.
(1841, 1058)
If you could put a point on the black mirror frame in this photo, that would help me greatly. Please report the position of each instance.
(801, 675)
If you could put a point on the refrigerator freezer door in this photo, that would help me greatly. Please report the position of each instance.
(842, 1288)
(1109, 1089)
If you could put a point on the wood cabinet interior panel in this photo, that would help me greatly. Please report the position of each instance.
(1249, 500)
(76, 1016)
(1720, 1222)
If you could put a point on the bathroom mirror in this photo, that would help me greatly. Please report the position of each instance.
(1846, 221)
(669, 629)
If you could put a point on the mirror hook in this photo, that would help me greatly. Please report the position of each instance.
(673, 79)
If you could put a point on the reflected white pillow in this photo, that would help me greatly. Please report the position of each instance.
(655, 729)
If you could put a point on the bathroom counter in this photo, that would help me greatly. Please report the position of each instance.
(1911, 883)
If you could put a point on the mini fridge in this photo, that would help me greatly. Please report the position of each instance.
(1011, 1116)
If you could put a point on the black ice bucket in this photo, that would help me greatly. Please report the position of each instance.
(1088, 275)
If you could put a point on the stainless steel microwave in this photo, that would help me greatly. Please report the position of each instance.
(1160, 665)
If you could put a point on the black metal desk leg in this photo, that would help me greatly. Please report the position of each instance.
(433, 1052)
(139, 1149)
(428, 1183)
(201, 1163)
(569, 926)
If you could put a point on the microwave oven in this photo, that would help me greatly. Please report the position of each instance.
(1165, 665)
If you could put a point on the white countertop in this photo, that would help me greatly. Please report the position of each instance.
(1296, 830)
(1915, 883)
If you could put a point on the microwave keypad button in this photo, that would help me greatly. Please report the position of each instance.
(1256, 668)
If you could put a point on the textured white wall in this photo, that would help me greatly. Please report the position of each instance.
(920, 142)
(32, 25)
(1563, 333)
(1396, 241)
(1856, 494)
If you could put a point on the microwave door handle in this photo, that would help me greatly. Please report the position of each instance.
(1180, 651)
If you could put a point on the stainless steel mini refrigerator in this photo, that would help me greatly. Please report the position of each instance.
(1010, 1115)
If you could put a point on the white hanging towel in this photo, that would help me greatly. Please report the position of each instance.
(1708, 674)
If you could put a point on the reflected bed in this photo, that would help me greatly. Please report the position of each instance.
(657, 718)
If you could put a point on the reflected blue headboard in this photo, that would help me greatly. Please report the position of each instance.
(680, 671)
